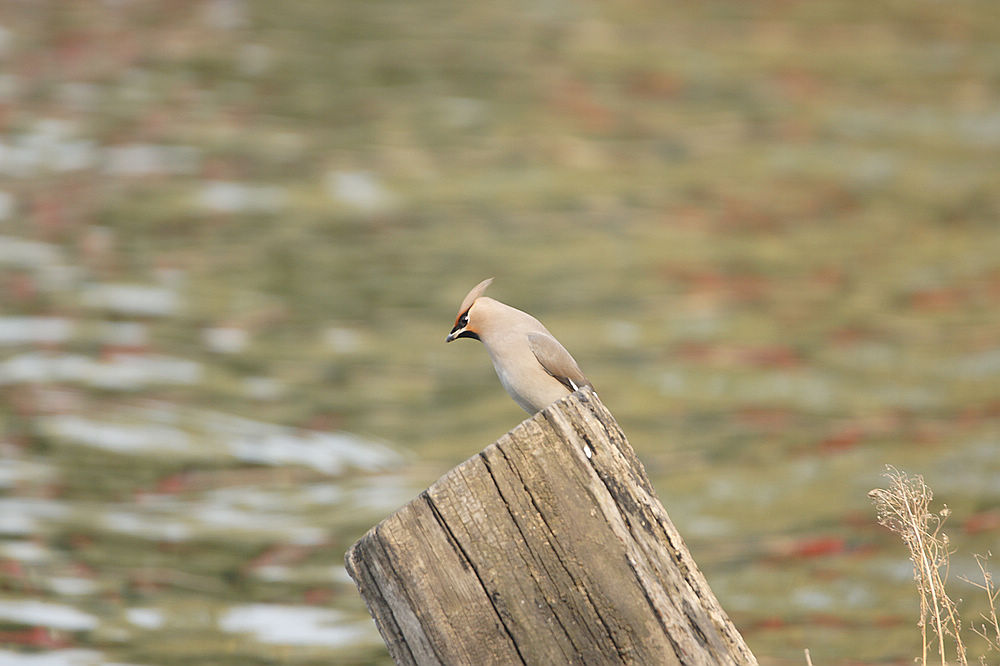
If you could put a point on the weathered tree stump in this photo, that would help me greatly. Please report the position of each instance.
(549, 547)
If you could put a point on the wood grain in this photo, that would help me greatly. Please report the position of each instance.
(548, 547)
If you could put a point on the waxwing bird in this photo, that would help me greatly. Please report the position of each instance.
(534, 368)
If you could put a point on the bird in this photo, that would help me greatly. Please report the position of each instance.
(534, 368)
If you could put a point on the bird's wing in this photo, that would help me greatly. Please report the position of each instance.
(557, 361)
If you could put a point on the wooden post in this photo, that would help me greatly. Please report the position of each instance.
(549, 547)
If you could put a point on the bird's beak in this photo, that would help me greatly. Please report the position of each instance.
(457, 333)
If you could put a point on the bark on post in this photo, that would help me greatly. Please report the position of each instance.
(549, 547)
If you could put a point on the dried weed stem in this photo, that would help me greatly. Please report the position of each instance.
(904, 508)
(989, 628)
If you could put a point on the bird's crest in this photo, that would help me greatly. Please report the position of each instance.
(476, 292)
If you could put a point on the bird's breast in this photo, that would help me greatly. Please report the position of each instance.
(522, 376)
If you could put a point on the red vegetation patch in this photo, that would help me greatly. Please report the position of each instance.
(653, 85)
(763, 356)
(765, 418)
(37, 637)
(816, 547)
(937, 299)
(983, 521)
(576, 99)
(844, 439)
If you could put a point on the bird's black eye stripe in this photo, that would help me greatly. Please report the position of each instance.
(462, 322)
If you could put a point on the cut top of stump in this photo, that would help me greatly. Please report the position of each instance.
(548, 547)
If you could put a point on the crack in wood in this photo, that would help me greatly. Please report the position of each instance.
(553, 541)
(630, 505)
(377, 602)
(536, 560)
(619, 497)
(695, 622)
(392, 578)
(451, 537)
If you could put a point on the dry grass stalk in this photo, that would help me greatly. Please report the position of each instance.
(989, 629)
(904, 508)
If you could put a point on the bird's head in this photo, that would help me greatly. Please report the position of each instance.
(465, 322)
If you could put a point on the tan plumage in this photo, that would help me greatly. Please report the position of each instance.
(532, 366)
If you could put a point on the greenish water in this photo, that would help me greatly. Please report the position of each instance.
(233, 236)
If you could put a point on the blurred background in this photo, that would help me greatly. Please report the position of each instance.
(234, 233)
